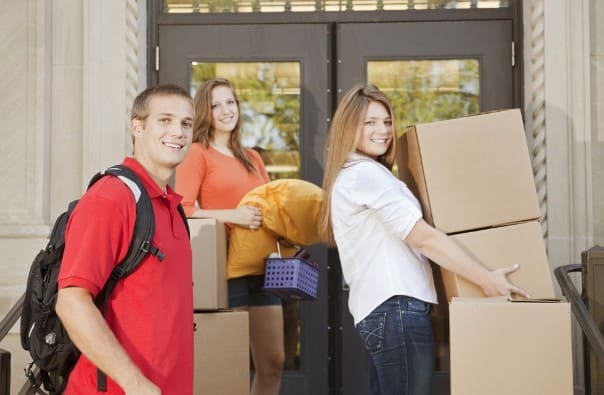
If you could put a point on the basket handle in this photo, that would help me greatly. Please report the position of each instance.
(302, 253)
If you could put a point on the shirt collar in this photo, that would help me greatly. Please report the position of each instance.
(355, 157)
(152, 188)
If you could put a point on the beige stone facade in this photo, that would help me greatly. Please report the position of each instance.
(70, 69)
(67, 80)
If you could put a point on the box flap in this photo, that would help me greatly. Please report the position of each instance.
(502, 299)
(541, 300)
(464, 299)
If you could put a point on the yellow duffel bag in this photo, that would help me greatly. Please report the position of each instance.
(290, 215)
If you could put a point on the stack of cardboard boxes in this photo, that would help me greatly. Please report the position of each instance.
(474, 179)
(221, 335)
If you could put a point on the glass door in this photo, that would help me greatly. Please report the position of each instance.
(431, 71)
(281, 74)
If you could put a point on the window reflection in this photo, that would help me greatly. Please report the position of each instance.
(428, 90)
(270, 109)
(269, 93)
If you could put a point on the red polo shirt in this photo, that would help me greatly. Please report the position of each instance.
(150, 311)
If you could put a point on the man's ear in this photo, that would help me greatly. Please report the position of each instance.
(136, 127)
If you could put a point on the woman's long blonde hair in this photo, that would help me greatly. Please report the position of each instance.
(202, 125)
(344, 136)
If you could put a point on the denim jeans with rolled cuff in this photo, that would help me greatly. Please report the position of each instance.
(398, 337)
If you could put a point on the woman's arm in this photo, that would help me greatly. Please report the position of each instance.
(441, 249)
(245, 216)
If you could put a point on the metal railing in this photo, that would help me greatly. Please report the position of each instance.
(9, 320)
(586, 322)
(4, 372)
(5, 325)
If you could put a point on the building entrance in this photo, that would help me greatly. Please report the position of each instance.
(290, 76)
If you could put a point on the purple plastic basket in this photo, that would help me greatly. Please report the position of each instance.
(291, 278)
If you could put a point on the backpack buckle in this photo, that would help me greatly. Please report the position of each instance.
(118, 272)
(146, 247)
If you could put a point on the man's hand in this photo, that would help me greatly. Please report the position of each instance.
(141, 386)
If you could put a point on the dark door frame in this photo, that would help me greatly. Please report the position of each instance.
(307, 45)
(361, 43)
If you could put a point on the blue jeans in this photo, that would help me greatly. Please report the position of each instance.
(398, 337)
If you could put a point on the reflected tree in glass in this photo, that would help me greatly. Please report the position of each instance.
(269, 93)
(428, 90)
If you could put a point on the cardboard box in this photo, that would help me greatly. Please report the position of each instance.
(209, 246)
(502, 348)
(470, 173)
(502, 247)
(222, 357)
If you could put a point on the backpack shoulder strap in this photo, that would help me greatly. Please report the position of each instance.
(181, 211)
(144, 226)
(140, 245)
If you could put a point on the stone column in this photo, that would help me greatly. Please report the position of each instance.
(557, 97)
(69, 72)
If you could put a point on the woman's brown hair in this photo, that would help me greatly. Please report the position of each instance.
(202, 125)
(344, 136)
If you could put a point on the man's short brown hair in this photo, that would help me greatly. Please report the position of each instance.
(140, 106)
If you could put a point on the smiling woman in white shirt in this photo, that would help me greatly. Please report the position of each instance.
(383, 243)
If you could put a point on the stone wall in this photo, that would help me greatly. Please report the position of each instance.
(69, 71)
(597, 117)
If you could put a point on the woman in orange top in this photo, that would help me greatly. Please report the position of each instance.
(217, 172)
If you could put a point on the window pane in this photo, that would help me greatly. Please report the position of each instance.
(428, 90)
(270, 109)
(225, 6)
(269, 94)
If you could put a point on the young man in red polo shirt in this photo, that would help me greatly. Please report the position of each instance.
(144, 344)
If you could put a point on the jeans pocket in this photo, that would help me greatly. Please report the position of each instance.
(418, 307)
(371, 330)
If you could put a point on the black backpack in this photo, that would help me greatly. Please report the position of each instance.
(42, 332)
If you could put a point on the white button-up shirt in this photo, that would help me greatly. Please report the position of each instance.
(372, 212)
